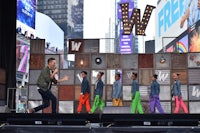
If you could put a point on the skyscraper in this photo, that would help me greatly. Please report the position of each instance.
(68, 14)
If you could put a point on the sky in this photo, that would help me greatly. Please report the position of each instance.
(96, 19)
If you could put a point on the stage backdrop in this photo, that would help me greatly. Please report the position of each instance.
(67, 93)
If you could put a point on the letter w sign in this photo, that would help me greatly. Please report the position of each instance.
(75, 46)
(140, 26)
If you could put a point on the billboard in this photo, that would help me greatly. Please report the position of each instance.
(168, 17)
(194, 38)
(26, 12)
(22, 59)
(182, 44)
(125, 41)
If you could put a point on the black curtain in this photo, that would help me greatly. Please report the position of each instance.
(8, 40)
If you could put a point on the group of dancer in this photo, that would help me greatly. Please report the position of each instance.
(47, 77)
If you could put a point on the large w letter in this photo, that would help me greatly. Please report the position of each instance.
(76, 46)
(140, 26)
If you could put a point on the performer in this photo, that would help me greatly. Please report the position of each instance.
(154, 95)
(85, 93)
(98, 92)
(176, 92)
(136, 103)
(117, 91)
(44, 82)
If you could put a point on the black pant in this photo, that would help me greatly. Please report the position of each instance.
(46, 97)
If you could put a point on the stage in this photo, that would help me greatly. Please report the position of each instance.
(98, 123)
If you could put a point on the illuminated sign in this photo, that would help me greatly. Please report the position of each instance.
(125, 41)
(140, 26)
(26, 12)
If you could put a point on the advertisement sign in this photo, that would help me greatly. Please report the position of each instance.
(168, 21)
(26, 12)
(182, 45)
(194, 38)
(125, 41)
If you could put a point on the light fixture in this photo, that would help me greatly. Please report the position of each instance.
(98, 60)
(162, 59)
(81, 62)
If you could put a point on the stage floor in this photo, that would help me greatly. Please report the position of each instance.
(98, 123)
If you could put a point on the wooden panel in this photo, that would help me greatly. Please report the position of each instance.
(127, 95)
(183, 76)
(194, 107)
(145, 106)
(33, 93)
(127, 77)
(166, 107)
(82, 61)
(144, 93)
(91, 46)
(162, 61)
(99, 61)
(33, 76)
(113, 61)
(109, 92)
(165, 93)
(145, 76)
(70, 74)
(193, 60)
(129, 61)
(66, 92)
(37, 61)
(66, 107)
(127, 104)
(2, 76)
(179, 61)
(194, 92)
(193, 75)
(163, 76)
(77, 92)
(145, 61)
(37, 46)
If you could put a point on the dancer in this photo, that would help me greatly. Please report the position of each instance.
(136, 103)
(154, 96)
(117, 91)
(98, 92)
(176, 92)
(44, 83)
(85, 93)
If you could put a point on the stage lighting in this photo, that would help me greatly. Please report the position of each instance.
(98, 60)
